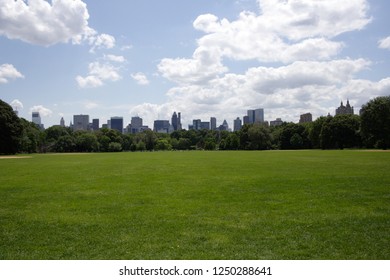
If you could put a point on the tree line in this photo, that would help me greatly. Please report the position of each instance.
(370, 130)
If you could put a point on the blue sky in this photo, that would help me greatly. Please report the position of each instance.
(203, 58)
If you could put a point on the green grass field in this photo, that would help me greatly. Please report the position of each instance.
(196, 205)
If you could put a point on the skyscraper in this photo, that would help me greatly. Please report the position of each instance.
(256, 116)
(237, 124)
(117, 124)
(95, 124)
(162, 126)
(176, 121)
(213, 123)
(62, 122)
(36, 118)
(196, 124)
(80, 122)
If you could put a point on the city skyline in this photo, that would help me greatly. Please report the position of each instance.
(81, 122)
(202, 58)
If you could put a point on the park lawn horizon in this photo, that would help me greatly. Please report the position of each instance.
(196, 205)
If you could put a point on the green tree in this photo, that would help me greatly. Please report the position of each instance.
(339, 132)
(296, 141)
(115, 147)
(184, 144)
(289, 137)
(260, 137)
(65, 144)
(375, 122)
(244, 137)
(11, 130)
(210, 144)
(163, 145)
(32, 136)
(86, 142)
(315, 132)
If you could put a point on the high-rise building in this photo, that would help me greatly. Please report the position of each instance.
(62, 122)
(136, 122)
(117, 124)
(344, 110)
(276, 122)
(205, 125)
(80, 122)
(224, 126)
(176, 121)
(162, 126)
(237, 124)
(256, 116)
(213, 123)
(95, 124)
(36, 118)
(306, 118)
(135, 125)
(196, 124)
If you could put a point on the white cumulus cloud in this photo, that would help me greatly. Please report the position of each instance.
(44, 112)
(384, 43)
(140, 78)
(7, 72)
(47, 23)
(98, 74)
(299, 37)
(17, 104)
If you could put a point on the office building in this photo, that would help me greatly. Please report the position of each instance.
(306, 118)
(162, 126)
(136, 122)
(237, 124)
(36, 118)
(255, 116)
(135, 125)
(117, 124)
(80, 122)
(224, 126)
(196, 124)
(276, 122)
(205, 125)
(176, 121)
(95, 124)
(213, 123)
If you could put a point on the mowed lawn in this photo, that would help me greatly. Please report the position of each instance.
(196, 205)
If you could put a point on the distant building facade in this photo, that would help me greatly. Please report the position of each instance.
(176, 121)
(255, 116)
(276, 122)
(36, 118)
(224, 126)
(62, 122)
(306, 118)
(95, 124)
(237, 124)
(136, 125)
(80, 122)
(213, 123)
(117, 124)
(345, 110)
(162, 126)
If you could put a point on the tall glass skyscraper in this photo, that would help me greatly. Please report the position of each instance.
(117, 124)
